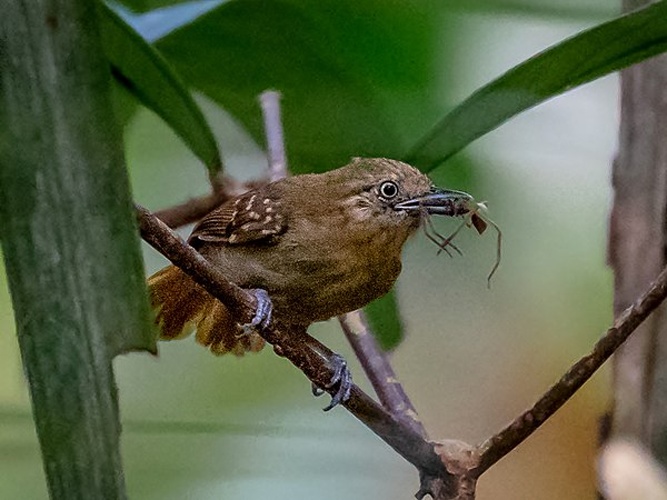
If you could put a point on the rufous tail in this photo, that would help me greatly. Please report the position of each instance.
(183, 306)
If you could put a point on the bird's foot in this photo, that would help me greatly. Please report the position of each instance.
(263, 311)
(342, 379)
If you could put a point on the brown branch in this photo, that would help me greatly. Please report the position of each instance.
(298, 347)
(379, 371)
(192, 210)
(496, 447)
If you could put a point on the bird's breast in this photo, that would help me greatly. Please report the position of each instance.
(325, 276)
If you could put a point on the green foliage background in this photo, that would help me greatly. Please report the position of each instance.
(372, 78)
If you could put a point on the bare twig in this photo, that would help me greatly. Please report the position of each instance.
(496, 447)
(191, 210)
(275, 144)
(379, 371)
(303, 351)
(224, 189)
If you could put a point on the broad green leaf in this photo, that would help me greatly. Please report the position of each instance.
(357, 78)
(144, 72)
(69, 239)
(589, 55)
(385, 321)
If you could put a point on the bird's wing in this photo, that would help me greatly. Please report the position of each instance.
(252, 217)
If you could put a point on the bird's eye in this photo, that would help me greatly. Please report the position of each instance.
(388, 190)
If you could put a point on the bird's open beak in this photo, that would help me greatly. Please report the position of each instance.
(438, 202)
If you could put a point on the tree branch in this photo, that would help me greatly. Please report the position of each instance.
(496, 447)
(379, 371)
(223, 189)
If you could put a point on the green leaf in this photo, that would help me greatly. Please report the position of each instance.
(145, 73)
(385, 321)
(356, 77)
(69, 239)
(589, 55)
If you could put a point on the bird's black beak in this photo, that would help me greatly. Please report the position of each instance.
(438, 202)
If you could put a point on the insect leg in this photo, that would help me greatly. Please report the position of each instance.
(444, 242)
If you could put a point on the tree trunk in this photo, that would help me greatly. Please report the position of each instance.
(637, 251)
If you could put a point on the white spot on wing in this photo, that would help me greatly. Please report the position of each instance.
(250, 202)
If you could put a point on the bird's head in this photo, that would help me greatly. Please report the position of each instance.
(395, 194)
(392, 192)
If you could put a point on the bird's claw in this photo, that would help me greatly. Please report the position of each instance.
(341, 378)
(263, 310)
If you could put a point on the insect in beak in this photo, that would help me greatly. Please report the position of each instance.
(453, 204)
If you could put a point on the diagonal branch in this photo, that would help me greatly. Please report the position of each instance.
(192, 210)
(499, 445)
(379, 371)
(305, 352)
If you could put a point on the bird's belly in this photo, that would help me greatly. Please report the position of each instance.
(318, 289)
(306, 285)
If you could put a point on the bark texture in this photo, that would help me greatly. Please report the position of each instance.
(637, 250)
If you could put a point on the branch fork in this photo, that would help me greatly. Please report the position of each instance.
(448, 469)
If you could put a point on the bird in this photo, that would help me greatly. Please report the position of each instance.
(310, 247)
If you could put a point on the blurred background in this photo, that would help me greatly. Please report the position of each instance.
(200, 427)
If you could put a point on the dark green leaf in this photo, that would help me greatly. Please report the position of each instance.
(69, 239)
(385, 321)
(143, 71)
(578, 60)
(356, 77)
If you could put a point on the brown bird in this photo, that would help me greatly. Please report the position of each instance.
(320, 245)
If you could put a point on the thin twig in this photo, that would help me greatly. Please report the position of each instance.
(499, 445)
(192, 210)
(303, 351)
(275, 145)
(379, 371)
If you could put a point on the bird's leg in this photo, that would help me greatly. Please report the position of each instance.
(263, 311)
(341, 378)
